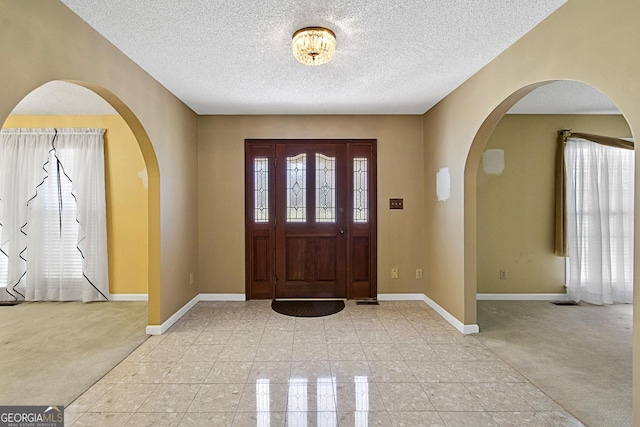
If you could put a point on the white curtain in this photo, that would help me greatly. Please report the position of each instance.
(600, 197)
(53, 215)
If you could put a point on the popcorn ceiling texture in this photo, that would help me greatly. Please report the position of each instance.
(62, 98)
(565, 97)
(224, 57)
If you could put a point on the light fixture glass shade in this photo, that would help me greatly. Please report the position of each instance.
(313, 45)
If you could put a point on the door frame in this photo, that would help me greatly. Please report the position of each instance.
(260, 238)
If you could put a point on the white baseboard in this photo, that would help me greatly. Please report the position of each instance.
(465, 329)
(223, 297)
(129, 297)
(522, 297)
(400, 297)
(161, 329)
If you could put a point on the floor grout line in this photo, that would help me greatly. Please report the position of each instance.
(394, 404)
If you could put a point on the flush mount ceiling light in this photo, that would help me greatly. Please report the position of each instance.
(313, 45)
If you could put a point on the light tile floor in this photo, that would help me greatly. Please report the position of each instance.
(242, 364)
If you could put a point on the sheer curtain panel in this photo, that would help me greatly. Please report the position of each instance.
(53, 215)
(599, 217)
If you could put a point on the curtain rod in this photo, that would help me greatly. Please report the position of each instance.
(598, 139)
(51, 131)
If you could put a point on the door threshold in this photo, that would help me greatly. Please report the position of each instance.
(310, 299)
(367, 302)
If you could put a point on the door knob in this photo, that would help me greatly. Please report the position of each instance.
(342, 231)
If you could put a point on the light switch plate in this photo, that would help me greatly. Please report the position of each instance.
(396, 203)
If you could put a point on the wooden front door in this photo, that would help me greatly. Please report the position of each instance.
(310, 213)
(310, 219)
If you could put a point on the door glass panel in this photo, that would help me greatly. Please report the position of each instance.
(325, 188)
(297, 188)
(360, 189)
(261, 189)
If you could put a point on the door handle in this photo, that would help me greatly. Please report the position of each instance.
(342, 231)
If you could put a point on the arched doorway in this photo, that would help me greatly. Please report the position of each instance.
(472, 163)
(132, 185)
(530, 345)
(516, 202)
(149, 178)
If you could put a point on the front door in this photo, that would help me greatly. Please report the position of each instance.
(310, 219)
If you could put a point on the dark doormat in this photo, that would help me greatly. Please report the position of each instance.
(313, 308)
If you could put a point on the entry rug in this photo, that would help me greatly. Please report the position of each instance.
(311, 308)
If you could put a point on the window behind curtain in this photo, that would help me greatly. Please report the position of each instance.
(617, 213)
(56, 241)
(60, 224)
(600, 199)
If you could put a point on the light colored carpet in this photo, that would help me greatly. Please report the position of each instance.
(51, 352)
(578, 355)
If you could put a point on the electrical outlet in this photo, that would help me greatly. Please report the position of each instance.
(503, 274)
(394, 273)
(418, 273)
(191, 279)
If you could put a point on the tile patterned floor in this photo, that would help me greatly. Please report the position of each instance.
(241, 364)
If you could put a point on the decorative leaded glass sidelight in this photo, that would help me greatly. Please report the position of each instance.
(360, 189)
(325, 188)
(297, 188)
(261, 189)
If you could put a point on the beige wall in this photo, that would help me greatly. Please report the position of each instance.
(221, 191)
(592, 41)
(45, 42)
(126, 194)
(516, 209)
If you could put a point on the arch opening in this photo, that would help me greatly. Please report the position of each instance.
(148, 177)
(498, 128)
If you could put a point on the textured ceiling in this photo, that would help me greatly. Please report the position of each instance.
(62, 98)
(393, 57)
(565, 97)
